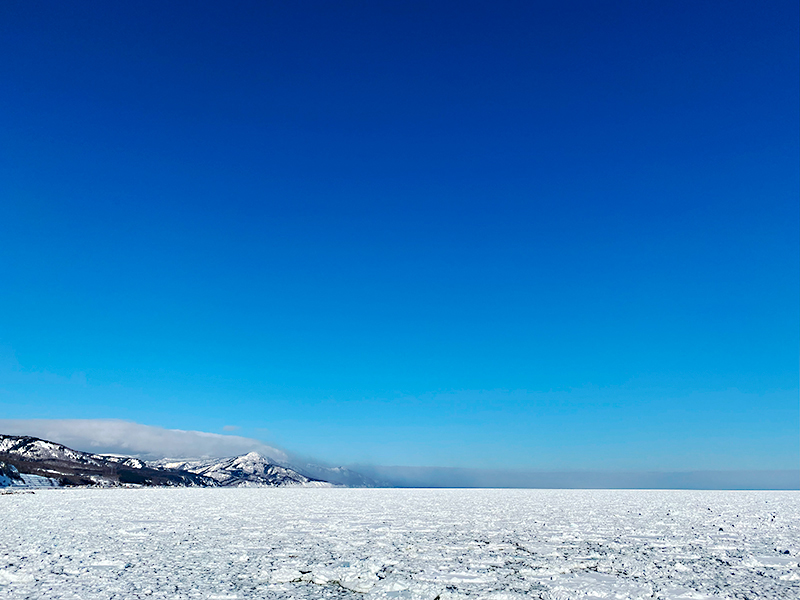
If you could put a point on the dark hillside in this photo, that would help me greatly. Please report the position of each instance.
(33, 456)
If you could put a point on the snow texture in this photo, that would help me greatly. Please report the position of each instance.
(10, 477)
(240, 543)
(33, 481)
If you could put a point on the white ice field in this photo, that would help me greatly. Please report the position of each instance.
(393, 543)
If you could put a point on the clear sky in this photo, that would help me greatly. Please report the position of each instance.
(476, 234)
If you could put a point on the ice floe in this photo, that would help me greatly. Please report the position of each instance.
(244, 543)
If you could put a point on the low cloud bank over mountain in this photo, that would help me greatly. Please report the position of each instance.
(113, 436)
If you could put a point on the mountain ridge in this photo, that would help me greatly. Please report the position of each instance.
(247, 470)
(40, 463)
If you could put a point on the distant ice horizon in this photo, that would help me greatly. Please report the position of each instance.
(119, 437)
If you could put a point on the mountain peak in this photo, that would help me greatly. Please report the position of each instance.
(60, 465)
(254, 456)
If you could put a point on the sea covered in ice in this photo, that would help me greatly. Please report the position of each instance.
(398, 543)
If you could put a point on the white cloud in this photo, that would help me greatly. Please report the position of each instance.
(125, 437)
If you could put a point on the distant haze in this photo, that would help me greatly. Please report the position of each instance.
(114, 436)
(505, 478)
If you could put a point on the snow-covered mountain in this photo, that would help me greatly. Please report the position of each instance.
(36, 450)
(32, 462)
(248, 470)
(34, 458)
(43, 463)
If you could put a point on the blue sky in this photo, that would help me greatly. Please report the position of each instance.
(501, 235)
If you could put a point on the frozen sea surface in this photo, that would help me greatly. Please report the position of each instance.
(402, 544)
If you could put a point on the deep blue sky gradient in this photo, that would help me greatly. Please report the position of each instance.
(516, 234)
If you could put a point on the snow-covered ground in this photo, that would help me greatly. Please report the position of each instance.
(28, 482)
(393, 543)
